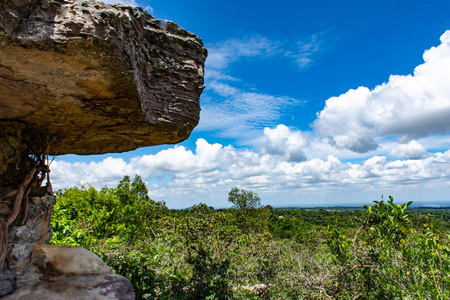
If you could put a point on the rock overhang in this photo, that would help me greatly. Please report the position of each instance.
(95, 78)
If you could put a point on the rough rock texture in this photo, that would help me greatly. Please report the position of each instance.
(22, 240)
(98, 78)
(67, 260)
(100, 287)
(14, 164)
(70, 272)
(81, 77)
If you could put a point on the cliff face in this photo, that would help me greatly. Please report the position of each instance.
(81, 77)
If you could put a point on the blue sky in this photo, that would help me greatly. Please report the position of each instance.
(304, 101)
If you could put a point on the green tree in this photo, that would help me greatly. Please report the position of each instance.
(243, 199)
(129, 192)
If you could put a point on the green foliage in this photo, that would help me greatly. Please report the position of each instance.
(257, 252)
(294, 228)
(243, 199)
(84, 216)
(109, 222)
(388, 258)
(209, 278)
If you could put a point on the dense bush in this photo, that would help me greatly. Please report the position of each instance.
(257, 252)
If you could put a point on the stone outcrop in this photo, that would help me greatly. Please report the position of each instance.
(67, 260)
(81, 77)
(87, 287)
(98, 78)
(70, 272)
(22, 240)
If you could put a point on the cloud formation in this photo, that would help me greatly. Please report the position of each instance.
(307, 50)
(215, 169)
(411, 150)
(240, 113)
(234, 108)
(404, 108)
(285, 143)
(222, 54)
(300, 53)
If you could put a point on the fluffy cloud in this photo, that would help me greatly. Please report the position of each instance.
(284, 142)
(411, 150)
(108, 172)
(406, 107)
(214, 169)
(379, 121)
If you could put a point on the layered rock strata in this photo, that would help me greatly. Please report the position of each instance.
(81, 77)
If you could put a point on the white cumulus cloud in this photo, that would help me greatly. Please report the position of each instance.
(284, 142)
(411, 150)
(406, 107)
(213, 170)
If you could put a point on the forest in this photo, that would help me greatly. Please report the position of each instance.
(382, 251)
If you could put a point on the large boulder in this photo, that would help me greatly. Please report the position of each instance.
(85, 287)
(81, 77)
(70, 272)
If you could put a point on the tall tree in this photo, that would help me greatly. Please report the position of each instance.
(243, 199)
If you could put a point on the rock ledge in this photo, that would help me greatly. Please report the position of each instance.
(97, 78)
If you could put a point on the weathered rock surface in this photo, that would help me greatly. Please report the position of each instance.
(67, 260)
(98, 78)
(100, 287)
(80, 77)
(22, 240)
(70, 272)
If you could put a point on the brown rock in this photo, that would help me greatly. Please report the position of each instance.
(97, 78)
(54, 261)
(91, 287)
(71, 272)
(22, 240)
